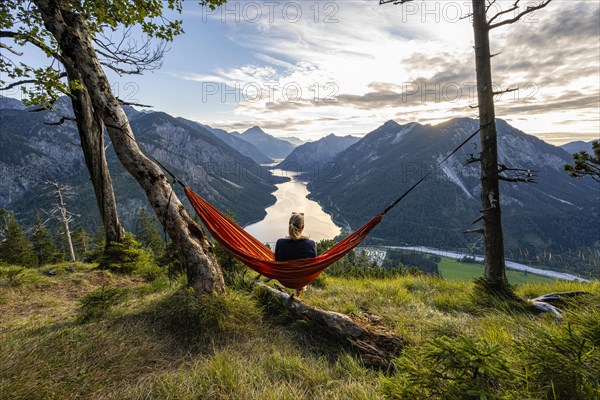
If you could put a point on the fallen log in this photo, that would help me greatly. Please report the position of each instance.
(375, 344)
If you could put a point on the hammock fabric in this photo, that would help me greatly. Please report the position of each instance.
(294, 274)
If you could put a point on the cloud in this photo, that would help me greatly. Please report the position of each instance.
(383, 62)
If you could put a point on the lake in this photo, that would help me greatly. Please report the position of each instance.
(292, 196)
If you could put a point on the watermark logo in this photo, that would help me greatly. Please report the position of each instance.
(254, 12)
(456, 11)
(254, 92)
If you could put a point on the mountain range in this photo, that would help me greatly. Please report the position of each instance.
(556, 216)
(554, 220)
(32, 152)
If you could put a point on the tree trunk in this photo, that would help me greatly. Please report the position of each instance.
(70, 31)
(91, 135)
(376, 345)
(490, 194)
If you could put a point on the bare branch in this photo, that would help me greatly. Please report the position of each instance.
(472, 159)
(34, 41)
(525, 171)
(516, 179)
(514, 7)
(393, 1)
(121, 71)
(141, 56)
(506, 91)
(528, 10)
(7, 47)
(490, 4)
(61, 121)
(127, 103)
(26, 81)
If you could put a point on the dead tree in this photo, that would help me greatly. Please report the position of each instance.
(59, 211)
(493, 240)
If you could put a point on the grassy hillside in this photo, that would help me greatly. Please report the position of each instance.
(95, 335)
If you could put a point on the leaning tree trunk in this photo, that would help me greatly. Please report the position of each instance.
(73, 37)
(490, 194)
(91, 135)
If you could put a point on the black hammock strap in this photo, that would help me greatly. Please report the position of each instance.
(403, 195)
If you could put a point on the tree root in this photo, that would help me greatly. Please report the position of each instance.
(543, 303)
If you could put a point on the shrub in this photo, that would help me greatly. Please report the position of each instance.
(450, 368)
(562, 364)
(126, 256)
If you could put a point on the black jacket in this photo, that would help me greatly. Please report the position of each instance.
(288, 249)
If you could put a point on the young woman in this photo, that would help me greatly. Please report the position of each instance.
(295, 245)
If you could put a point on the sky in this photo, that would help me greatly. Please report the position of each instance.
(311, 68)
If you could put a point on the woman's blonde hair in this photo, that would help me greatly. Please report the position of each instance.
(296, 226)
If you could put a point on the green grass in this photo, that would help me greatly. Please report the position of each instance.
(92, 334)
(459, 271)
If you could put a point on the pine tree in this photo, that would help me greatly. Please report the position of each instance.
(148, 233)
(15, 247)
(81, 243)
(97, 246)
(43, 243)
(585, 164)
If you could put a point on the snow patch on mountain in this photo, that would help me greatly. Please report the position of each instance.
(235, 185)
(561, 200)
(455, 179)
(402, 133)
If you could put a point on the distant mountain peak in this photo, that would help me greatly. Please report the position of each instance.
(391, 122)
(255, 130)
(267, 144)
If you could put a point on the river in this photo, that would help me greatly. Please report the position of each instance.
(292, 196)
(509, 264)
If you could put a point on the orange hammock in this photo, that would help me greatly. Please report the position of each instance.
(294, 274)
